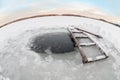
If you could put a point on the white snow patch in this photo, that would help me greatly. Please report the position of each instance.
(3, 78)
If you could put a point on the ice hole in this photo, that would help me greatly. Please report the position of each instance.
(56, 42)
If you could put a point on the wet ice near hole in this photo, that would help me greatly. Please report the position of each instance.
(18, 62)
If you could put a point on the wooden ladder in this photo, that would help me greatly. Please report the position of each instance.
(77, 34)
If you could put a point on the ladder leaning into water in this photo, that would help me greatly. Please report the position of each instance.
(83, 41)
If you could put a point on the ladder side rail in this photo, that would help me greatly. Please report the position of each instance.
(84, 58)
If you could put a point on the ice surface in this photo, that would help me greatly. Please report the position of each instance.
(3, 78)
(91, 51)
(18, 62)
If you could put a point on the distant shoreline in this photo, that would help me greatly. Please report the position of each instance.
(45, 15)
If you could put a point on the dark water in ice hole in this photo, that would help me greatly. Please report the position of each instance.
(56, 42)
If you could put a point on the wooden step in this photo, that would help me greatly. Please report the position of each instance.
(87, 44)
(76, 31)
(97, 58)
(80, 36)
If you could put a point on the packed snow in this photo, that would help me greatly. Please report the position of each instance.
(18, 62)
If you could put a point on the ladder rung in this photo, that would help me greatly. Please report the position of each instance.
(76, 31)
(100, 57)
(80, 36)
(87, 44)
(97, 58)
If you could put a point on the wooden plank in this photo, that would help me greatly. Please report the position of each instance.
(87, 44)
(80, 35)
(98, 58)
(76, 31)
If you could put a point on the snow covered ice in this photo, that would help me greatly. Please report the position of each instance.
(19, 62)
